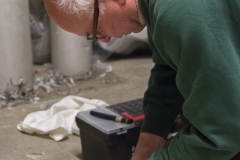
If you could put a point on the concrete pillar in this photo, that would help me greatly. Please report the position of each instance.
(15, 44)
(71, 54)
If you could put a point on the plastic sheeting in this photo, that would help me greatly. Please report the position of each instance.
(39, 32)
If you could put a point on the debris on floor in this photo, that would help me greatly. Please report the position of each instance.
(49, 82)
(35, 155)
(20, 94)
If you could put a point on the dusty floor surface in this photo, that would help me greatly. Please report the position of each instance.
(127, 81)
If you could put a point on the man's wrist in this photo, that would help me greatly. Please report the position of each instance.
(147, 144)
(151, 140)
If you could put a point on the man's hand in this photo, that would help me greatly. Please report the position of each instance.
(147, 144)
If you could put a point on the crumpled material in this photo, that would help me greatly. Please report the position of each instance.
(59, 120)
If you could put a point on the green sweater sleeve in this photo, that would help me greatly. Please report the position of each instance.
(200, 40)
(162, 100)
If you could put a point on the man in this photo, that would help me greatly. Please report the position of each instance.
(196, 51)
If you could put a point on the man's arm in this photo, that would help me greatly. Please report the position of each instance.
(162, 104)
(147, 144)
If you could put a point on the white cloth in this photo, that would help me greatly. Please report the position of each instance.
(59, 120)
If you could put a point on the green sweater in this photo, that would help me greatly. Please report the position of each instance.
(196, 51)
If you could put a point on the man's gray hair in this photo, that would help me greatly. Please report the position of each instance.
(77, 6)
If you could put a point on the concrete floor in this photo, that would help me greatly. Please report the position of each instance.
(128, 81)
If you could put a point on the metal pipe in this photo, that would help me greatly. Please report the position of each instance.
(71, 54)
(15, 44)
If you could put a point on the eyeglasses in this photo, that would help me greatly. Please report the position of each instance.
(94, 36)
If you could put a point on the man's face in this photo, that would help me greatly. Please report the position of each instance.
(115, 22)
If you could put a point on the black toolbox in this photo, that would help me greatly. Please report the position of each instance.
(104, 139)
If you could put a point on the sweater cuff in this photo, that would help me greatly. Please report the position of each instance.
(158, 125)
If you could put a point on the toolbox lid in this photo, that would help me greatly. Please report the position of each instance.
(106, 126)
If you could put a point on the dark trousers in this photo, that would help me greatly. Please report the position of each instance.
(237, 157)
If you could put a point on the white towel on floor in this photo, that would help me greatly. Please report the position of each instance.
(59, 120)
